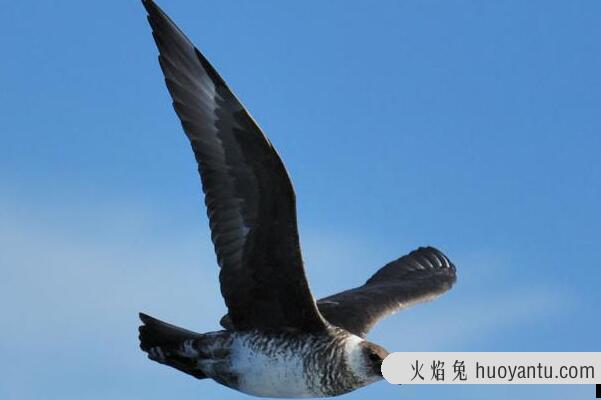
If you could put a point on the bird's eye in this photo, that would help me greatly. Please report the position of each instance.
(374, 357)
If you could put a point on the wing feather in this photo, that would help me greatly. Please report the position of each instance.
(414, 278)
(249, 197)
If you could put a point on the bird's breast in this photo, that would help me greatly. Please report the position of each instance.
(290, 366)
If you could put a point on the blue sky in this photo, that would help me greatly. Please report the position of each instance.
(471, 126)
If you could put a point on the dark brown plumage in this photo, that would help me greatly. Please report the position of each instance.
(419, 276)
(250, 200)
(278, 341)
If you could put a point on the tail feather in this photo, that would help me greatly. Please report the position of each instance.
(155, 333)
(163, 343)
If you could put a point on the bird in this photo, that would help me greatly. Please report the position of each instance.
(276, 339)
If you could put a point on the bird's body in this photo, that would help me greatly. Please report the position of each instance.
(278, 340)
(303, 364)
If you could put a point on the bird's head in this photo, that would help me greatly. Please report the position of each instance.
(373, 356)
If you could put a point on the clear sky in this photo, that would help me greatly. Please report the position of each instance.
(471, 126)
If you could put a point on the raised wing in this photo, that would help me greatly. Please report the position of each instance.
(419, 276)
(249, 197)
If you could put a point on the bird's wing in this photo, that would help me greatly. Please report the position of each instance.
(249, 197)
(419, 276)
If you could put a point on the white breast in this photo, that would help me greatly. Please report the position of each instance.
(279, 374)
(356, 360)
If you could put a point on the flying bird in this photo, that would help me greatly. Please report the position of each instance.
(277, 340)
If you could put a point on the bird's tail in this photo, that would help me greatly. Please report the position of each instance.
(168, 344)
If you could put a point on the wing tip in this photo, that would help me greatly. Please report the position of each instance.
(149, 5)
(435, 257)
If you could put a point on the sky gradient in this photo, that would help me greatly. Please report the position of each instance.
(471, 126)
